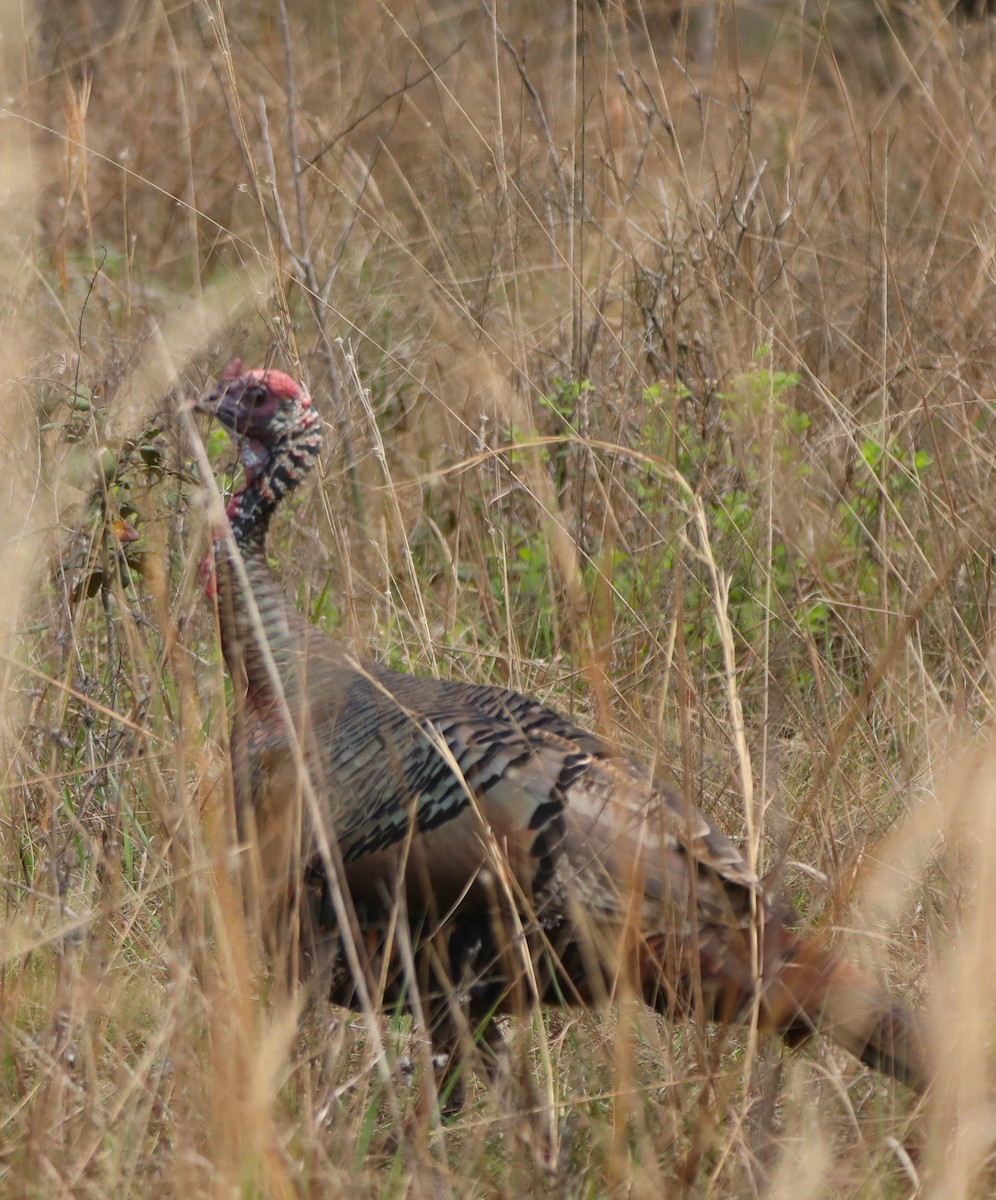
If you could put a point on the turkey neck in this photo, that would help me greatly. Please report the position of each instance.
(275, 626)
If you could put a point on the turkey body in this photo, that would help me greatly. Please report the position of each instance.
(464, 804)
(485, 852)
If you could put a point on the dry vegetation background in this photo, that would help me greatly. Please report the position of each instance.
(659, 348)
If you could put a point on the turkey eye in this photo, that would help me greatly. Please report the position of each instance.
(255, 396)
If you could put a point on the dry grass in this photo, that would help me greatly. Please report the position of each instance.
(571, 285)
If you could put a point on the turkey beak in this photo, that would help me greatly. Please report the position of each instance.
(223, 404)
(210, 403)
(220, 404)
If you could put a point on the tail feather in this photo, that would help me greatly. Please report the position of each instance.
(805, 989)
(812, 990)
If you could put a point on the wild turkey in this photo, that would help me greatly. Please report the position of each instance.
(493, 854)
